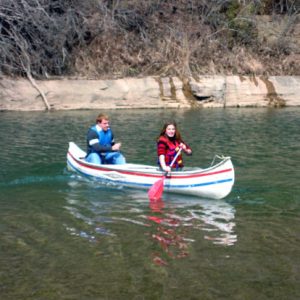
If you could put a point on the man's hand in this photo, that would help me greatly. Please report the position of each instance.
(116, 147)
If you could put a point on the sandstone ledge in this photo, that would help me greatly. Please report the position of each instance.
(151, 92)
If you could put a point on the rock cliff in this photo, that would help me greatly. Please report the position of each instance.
(151, 92)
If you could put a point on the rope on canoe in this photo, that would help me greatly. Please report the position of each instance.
(220, 157)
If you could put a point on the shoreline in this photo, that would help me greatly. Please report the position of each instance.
(214, 91)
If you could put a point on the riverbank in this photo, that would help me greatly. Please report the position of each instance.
(151, 92)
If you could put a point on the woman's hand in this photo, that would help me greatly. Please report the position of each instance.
(167, 169)
(188, 151)
(185, 148)
(182, 146)
(163, 164)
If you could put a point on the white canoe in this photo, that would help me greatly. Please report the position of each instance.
(214, 182)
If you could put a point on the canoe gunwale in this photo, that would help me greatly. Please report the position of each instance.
(146, 170)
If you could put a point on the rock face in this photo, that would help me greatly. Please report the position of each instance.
(152, 92)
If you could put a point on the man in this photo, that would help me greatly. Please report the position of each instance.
(101, 147)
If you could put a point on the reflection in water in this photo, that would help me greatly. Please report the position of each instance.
(216, 218)
(90, 210)
(218, 221)
(172, 224)
(169, 233)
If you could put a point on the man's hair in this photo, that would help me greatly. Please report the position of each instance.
(102, 117)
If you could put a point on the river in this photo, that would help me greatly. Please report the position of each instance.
(64, 237)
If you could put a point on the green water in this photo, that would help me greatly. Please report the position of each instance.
(63, 237)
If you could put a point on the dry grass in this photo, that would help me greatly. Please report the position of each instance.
(109, 39)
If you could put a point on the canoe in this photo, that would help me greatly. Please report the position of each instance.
(214, 182)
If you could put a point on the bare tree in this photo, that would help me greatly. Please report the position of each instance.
(37, 37)
(97, 38)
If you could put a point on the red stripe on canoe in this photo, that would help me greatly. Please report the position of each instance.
(148, 175)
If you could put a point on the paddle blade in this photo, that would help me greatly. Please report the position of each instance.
(156, 190)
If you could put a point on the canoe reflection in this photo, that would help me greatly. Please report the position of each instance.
(175, 222)
(169, 233)
(218, 221)
(172, 226)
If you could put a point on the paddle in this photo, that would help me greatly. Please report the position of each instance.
(156, 190)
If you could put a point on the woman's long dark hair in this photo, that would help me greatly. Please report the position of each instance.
(177, 133)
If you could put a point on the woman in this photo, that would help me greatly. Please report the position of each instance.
(168, 144)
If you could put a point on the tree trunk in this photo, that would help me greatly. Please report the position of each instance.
(32, 81)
